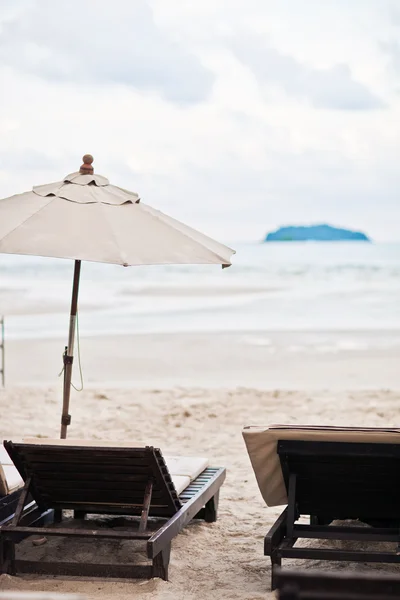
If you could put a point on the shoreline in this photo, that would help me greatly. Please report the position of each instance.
(263, 360)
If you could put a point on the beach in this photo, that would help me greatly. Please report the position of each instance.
(224, 559)
(183, 359)
(198, 208)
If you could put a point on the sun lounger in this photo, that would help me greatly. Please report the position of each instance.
(301, 585)
(106, 480)
(328, 474)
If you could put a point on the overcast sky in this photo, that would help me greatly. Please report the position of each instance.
(236, 116)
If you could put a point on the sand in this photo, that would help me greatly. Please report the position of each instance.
(221, 560)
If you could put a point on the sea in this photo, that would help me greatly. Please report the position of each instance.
(271, 287)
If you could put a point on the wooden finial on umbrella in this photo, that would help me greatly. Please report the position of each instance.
(86, 168)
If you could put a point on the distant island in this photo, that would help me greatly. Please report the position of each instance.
(316, 233)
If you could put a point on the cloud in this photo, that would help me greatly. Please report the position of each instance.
(101, 42)
(229, 155)
(392, 50)
(27, 160)
(330, 88)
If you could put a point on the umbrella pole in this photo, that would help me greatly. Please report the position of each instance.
(69, 352)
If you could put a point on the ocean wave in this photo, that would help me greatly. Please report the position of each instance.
(281, 288)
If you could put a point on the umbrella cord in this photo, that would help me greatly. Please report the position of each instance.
(79, 357)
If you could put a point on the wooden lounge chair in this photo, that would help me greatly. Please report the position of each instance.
(300, 585)
(328, 474)
(106, 480)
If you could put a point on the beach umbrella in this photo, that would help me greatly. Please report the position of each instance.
(84, 217)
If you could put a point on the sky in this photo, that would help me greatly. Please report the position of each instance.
(235, 116)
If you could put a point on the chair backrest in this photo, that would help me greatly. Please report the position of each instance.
(301, 585)
(342, 479)
(110, 480)
(262, 444)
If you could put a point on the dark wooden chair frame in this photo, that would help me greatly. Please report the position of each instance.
(30, 511)
(145, 475)
(8, 504)
(330, 481)
(300, 585)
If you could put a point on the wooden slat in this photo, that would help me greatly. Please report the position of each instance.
(89, 450)
(162, 510)
(331, 532)
(113, 477)
(87, 470)
(84, 569)
(193, 488)
(8, 531)
(95, 460)
(63, 489)
(105, 497)
(342, 555)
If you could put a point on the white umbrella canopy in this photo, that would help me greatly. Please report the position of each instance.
(84, 217)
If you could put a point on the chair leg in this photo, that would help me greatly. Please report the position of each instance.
(211, 509)
(2, 557)
(79, 514)
(161, 563)
(58, 515)
(276, 561)
(7, 557)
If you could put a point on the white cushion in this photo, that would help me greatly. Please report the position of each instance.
(4, 456)
(262, 443)
(180, 482)
(3, 483)
(187, 466)
(10, 479)
(13, 478)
